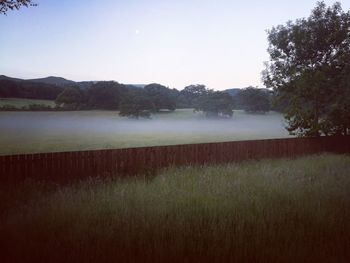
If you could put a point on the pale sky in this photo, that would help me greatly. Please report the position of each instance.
(219, 43)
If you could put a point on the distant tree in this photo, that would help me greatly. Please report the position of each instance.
(6, 5)
(71, 98)
(189, 95)
(28, 89)
(161, 96)
(215, 104)
(105, 95)
(309, 69)
(9, 88)
(254, 99)
(136, 104)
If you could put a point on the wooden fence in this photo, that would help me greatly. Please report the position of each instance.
(63, 166)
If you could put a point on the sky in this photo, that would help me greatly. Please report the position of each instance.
(219, 43)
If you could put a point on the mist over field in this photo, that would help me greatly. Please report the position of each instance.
(23, 132)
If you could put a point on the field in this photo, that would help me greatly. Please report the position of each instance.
(20, 103)
(30, 132)
(263, 211)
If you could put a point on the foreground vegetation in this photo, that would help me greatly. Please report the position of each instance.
(266, 211)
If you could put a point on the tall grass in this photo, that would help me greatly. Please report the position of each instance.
(263, 211)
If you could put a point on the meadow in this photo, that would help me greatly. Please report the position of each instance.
(20, 103)
(32, 132)
(259, 211)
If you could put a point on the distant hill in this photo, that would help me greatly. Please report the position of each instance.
(141, 86)
(85, 84)
(233, 92)
(58, 81)
(3, 77)
(28, 89)
(52, 80)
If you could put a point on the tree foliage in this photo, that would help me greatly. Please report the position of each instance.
(215, 104)
(105, 95)
(189, 95)
(254, 100)
(27, 89)
(309, 67)
(161, 96)
(136, 104)
(71, 98)
(6, 5)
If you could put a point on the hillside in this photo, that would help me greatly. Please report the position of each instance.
(3, 77)
(233, 92)
(52, 80)
(58, 81)
(28, 89)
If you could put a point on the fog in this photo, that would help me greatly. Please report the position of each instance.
(56, 131)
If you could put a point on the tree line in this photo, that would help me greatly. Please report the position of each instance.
(137, 102)
(134, 101)
(10, 88)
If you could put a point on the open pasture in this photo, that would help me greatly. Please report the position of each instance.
(20, 103)
(32, 132)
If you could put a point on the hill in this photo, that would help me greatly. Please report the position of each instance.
(58, 81)
(28, 89)
(3, 77)
(233, 92)
(52, 80)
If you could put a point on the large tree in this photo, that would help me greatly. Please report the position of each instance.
(215, 104)
(136, 104)
(6, 5)
(105, 95)
(189, 95)
(161, 96)
(72, 98)
(310, 67)
(254, 99)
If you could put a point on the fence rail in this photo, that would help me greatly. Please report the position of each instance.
(63, 166)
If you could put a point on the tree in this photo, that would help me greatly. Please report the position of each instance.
(189, 95)
(6, 5)
(105, 95)
(161, 96)
(254, 99)
(215, 104)
(28, 89)
(136, 104)
(309, 67)
(71, 98)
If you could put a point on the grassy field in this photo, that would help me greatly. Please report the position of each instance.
(20, 103)
(29, 132)
(263, 211)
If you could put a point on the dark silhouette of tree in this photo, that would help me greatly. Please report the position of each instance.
(309, 67)
(215, 104)
(161, 96)
(189, 95)
(6, 5)
(136, 104)
(254, 100)
(71, 98)
(27, 89)
(105, 95)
